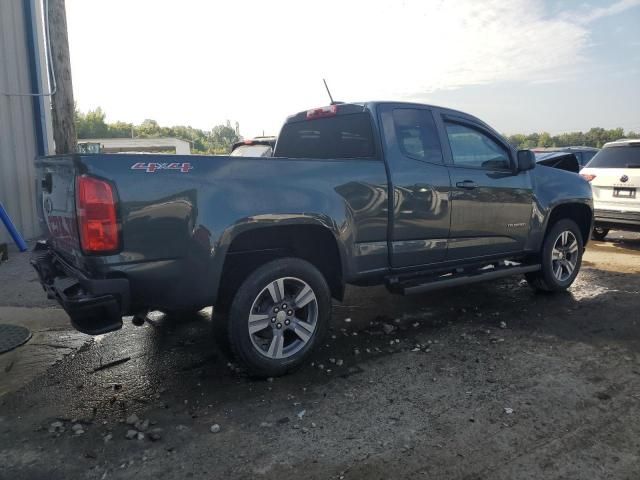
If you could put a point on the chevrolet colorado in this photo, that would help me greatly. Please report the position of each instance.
(412, 196)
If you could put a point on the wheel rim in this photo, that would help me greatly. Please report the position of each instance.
(564, 256)
(283, 318)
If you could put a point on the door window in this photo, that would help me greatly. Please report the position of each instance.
(417, 135)
(473, 149)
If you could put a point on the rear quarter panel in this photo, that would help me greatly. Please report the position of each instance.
(177, 226)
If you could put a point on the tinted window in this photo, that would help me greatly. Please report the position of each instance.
(417, 135)
(471, 148)
(586, 156)
(342, 136)
(616, 157)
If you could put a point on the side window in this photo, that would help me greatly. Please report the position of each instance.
(417, 135)
(473, 149)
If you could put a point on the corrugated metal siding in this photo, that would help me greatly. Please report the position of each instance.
(17, 132)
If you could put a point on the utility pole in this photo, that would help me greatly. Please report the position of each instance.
(62, 105)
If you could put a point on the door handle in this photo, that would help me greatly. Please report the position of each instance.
(468, 184)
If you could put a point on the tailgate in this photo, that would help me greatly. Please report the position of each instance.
(617, 187)
(56, 202)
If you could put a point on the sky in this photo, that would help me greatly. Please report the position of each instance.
(520, 65)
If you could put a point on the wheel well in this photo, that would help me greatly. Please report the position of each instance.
(249, 250)
(578, 212)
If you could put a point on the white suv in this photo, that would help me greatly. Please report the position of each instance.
(614, 174)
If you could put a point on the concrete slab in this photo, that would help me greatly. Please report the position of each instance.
(53, 339)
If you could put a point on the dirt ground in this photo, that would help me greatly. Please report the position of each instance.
(489, 381)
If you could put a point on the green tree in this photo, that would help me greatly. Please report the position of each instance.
(223, 137)
(91, 124)
(217, 141)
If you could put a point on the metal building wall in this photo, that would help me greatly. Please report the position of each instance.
(18, 142)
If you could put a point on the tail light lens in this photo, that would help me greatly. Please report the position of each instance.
(322, 112)
(97, 220)
(587, 176)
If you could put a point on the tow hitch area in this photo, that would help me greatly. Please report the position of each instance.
(94, 306)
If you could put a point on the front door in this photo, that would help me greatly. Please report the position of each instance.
(491, 203)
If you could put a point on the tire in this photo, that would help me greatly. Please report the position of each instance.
(599, 233)
(266, 338)
(560, 259)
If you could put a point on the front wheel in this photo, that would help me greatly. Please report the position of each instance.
(600, 233)
(561, 257)
(279, 314)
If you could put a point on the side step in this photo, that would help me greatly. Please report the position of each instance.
(462, 278)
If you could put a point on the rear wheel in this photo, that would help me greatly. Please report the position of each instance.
(561, 257)
(600, 233)
(279, 314)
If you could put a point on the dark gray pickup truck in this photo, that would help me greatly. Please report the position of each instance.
(412, 196)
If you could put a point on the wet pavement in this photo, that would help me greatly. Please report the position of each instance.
(486, 381)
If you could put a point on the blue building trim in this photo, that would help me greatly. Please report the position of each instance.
(35, 74)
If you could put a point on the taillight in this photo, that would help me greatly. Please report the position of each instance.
(587, 176)
(321, 112)
(97, 220)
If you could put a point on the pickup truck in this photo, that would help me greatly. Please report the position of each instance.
(411, 196)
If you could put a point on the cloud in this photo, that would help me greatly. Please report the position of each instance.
(601, 12)
(201, 62)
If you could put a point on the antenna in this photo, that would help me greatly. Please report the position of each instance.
(328, 91)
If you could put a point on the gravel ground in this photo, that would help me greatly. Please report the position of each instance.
(487, 381)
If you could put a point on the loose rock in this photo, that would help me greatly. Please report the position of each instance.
(387, 328)
(131, 434)
(132, 419)
(215, 428)
(56, 427)
(78, 429)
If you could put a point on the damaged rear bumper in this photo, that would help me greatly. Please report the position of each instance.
(95, 306)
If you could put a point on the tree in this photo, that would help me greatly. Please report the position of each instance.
(223, 137)
(217, 141)
(91, 124)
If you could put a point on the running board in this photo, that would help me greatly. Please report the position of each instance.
(457, 279)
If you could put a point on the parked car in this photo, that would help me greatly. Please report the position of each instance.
(411, 196)
(562, 160)
(255, 147)
(614, 174)
(583, 154)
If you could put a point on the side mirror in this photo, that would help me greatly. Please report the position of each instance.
(526, 160)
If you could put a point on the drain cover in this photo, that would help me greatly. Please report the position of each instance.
(12, 336)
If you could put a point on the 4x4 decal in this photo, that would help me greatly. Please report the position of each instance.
(153, 167)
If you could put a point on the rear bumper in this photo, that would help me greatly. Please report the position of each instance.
(617, 219)
(95, 306)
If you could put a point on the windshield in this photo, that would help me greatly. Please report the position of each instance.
(252, 151)
(616, 157)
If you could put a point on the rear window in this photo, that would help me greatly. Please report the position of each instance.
(342, 136)
(616, 157)
(252, 151)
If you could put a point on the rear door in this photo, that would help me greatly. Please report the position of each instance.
(421, 207)
(491, 202)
